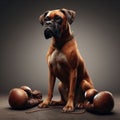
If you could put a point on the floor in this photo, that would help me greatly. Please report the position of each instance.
(6, 113)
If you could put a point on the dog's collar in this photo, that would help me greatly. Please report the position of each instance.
(60, 44)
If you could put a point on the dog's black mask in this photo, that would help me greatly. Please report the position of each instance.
(48, 33)
(52, 27)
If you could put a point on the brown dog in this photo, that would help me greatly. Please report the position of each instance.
(64, 61)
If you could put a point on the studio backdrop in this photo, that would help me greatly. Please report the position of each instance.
(23, 47)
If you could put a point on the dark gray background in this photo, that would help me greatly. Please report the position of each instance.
(23, 46)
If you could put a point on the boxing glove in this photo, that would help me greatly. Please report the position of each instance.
(101, 103)
(17, 98)
(24, 97)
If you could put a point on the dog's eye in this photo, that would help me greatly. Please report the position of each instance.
(58, 19)
(47, 18)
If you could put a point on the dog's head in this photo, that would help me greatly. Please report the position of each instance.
(56, 21)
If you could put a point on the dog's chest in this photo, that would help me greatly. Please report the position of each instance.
(58, 61)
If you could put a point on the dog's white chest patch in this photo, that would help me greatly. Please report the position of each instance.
(57, 59)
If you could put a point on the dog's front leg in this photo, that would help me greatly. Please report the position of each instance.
(47, 101)
(72, 85)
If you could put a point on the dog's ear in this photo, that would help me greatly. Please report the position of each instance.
(70, 14)
(42, 17)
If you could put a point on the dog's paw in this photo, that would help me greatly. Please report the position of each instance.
(79, 106)
(68, 108)
(43, 105)
(57, 103)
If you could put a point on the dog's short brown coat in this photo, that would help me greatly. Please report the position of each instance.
(66, 63)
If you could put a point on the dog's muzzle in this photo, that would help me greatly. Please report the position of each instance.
(48, 33)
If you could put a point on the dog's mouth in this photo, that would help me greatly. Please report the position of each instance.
(48, 33)
(52, 32)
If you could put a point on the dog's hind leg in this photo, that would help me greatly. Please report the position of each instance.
(80, 98)
(85, 85)
(63, 94)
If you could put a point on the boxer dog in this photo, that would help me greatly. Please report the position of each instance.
(64, 61)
